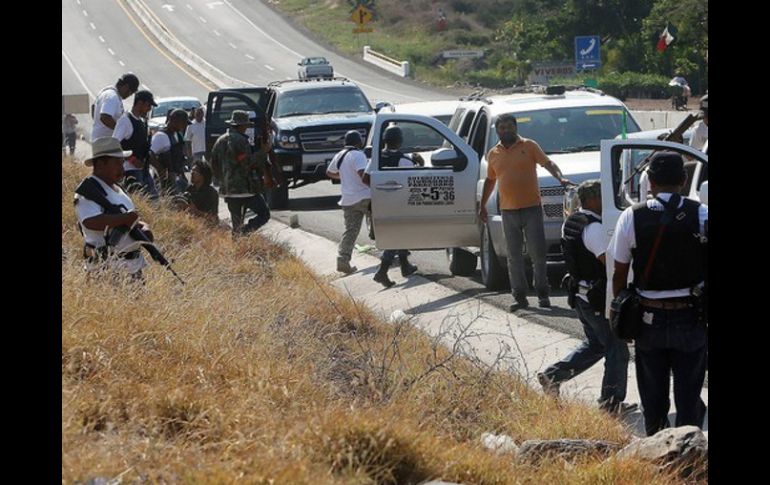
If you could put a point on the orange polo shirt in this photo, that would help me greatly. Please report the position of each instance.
(516, 174)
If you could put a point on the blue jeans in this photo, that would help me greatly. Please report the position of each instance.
(517, 223)
(238, 206)
(600, 343)
(146, 180)
(674, 343)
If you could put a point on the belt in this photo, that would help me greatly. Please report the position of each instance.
(667, 303)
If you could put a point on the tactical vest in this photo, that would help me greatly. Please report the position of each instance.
(581, 263)
(174, 158)
(679, 261)
(138, 143)
(390, 158)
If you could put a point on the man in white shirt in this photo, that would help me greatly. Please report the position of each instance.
(348, 167)
(665, 239)
(167, 153)
(122, 254)
(701, 134)
(131, 131)
(195, 137)
(108, 106)
(584, 244)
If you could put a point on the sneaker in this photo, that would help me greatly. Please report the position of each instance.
(344, 267)
(407, 269)
(544, 302)
(550, 388)
(619, 409)
(518, 305)
(382, 278)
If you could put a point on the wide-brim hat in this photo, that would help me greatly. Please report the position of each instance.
(239, 118)
(106, 146)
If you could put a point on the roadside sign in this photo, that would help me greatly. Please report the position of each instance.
(362, 15)
(543, 71)
(587, 52)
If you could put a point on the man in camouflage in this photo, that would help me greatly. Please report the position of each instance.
(240, 173)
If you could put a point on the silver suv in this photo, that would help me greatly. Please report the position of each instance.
(568, 124)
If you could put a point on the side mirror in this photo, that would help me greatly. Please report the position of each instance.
(380, 105)
(703, 193)
(447, 157)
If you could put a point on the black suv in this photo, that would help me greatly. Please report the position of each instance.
(307, 121)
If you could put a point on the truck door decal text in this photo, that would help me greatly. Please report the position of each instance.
(431, 190)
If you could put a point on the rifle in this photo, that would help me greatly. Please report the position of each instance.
(675, 135)
(276, 172)
(91, 190)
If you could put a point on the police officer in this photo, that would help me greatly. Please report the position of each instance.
(132, 132)
(584, 244)
(167, 153)
(391, 156)
(664, 239)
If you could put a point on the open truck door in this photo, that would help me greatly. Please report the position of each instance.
(424, 207)
(221, 104)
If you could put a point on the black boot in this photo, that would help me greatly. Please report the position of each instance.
(406, 267)
(381, 276)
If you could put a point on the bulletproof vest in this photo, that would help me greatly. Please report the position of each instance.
(139, 143)
(390, 158)
(581, 263)
(679, 260)
(174, 158)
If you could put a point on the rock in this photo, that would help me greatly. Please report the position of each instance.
(501, 444)
(534, 450)
(294, 221)
(397, 316)
(684, 448)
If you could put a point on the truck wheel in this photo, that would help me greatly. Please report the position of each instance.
(461, 262)
(278, 197)
(493, 274)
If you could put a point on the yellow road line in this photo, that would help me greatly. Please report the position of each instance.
(193, 76)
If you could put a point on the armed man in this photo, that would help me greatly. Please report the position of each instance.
(584, 244)
(104, 246)
(665, 240)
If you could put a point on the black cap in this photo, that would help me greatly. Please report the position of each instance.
(393, 136)
(666, 168)
(145, 95)
(129, 79)
(353, 139)
(178, 114)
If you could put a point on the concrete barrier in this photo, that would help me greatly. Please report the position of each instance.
(388, 63)
(177, 48)
(653, 120)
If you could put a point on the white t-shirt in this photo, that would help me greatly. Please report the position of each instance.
(353, 189)
(624, 240)
(124, 130)
(700, 136)
(108, 102)
(594, 239)
(86, 209)
(161, 143)
(196, 133)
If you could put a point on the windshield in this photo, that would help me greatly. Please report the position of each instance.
(165, 106)
(321, 101)
(567, 130)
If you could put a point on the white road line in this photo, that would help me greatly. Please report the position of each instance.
(244, 17)
(203, 20)
(78, 1)
(77, 74)
(250, 57)
(93, 27)
(232, 45)
(101, 39)
(85, 13)
(217, 34)
(189, 7)
(112, 52)
(121, 63)
(270, 68)
(146, 87)
(289, 77)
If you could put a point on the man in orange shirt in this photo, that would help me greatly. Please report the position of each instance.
(513, 162)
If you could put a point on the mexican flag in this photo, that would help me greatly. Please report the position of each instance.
(666, 38)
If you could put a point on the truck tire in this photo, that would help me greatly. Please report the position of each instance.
(493, 274)
(461, 262)
(278, 197)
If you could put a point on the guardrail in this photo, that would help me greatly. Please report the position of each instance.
(388, 63)
(177, 48)
(652, 120)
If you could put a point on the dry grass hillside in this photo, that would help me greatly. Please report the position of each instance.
(257, 371)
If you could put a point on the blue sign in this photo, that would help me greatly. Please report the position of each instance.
(587, 52)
